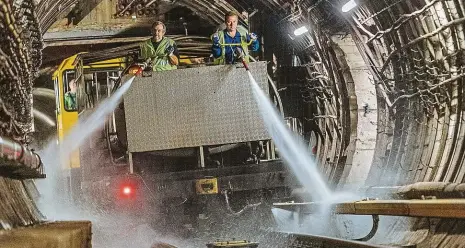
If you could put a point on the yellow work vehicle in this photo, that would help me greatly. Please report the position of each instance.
(67, 116)
(181, 147)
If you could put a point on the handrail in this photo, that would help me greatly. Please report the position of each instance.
(236, 44)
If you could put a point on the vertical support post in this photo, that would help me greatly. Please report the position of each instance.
(268, 150)
(201, 157)
(131, 166)
(273, 154)
(97, 88)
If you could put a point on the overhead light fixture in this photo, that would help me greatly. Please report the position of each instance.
(349, 6)
(300, 31)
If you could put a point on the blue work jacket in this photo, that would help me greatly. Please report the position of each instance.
(229, 54)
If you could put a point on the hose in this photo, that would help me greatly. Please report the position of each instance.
(231, 211)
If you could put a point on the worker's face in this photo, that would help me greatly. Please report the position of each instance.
(231, 23)
(72, 85)
(158, 33)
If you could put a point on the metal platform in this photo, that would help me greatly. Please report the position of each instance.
(210, 105)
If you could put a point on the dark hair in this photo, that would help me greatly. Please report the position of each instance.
(159, 23)
(230, 13)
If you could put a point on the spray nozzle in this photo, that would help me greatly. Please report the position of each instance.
(140, 67)
(240, 55)
(145, 64)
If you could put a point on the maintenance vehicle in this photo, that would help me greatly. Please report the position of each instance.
(182, 147)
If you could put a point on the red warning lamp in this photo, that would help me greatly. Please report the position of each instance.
(127, 190)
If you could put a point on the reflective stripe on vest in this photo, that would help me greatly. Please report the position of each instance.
(160, 60)
(222, 59)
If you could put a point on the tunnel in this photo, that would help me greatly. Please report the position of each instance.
(357, 141)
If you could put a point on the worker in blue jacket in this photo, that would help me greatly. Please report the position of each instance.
(229, 45)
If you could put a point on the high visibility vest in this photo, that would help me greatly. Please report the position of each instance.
(70, 101)
(222, 59)
(160, 60)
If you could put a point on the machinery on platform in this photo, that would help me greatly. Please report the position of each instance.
(182, 143)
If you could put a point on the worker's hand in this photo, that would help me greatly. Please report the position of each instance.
(170, 50)
(216, 39)
(253, 36)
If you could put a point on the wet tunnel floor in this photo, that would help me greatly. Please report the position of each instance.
(79, 234)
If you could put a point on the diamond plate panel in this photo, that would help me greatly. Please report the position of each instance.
(209, 105)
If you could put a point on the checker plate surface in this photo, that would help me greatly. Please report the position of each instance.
(191, 107)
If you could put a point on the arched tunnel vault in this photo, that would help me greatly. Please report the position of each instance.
(395, 119)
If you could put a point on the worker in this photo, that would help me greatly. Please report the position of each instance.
(230, 45)
(161, 50)
(70, 96)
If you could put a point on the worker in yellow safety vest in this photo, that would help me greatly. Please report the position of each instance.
(161, 50)
(232, 44)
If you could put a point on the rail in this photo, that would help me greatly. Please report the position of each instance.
(291, 240)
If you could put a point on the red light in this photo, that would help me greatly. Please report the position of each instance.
(135, 70)
(127, 190)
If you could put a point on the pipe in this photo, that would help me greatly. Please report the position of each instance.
(15, 154)
(417, 190)
(43, 117)
(49, 93)
(435, 208)
(231, 211)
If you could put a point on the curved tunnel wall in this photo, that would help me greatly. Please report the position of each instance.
(413, 49)
(414, 52)
(416, 49)
(20, 57)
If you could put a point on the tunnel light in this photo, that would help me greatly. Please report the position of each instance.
(349, 6)
(300, 31)
(127, 191)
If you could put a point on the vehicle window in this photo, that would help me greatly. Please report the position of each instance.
(70, 89)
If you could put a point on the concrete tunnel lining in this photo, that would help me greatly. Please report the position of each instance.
(412, 50)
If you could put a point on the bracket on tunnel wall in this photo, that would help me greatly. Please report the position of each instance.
(373, 230)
